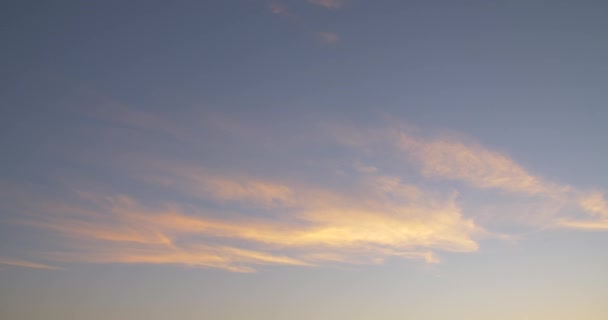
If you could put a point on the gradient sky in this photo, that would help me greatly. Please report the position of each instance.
(304, 159)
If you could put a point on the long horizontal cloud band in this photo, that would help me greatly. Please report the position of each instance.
(334, 229)
(242, 221)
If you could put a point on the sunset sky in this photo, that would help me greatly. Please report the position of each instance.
(304, 159)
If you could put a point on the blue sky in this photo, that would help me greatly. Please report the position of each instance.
(322, 159)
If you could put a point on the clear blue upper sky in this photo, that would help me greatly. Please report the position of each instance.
(303, 159)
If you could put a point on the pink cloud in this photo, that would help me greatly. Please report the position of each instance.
(328, 37)
(329, 4)
(278, 9)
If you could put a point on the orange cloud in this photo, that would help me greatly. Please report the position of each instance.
(378, 216)
(595, 203)
(202, 183)
(597, 225)
(384, 218)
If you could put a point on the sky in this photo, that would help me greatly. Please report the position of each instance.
(303, 159)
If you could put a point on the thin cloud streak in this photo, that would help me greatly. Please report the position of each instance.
(200, 182)
(591, 225)
(106, 108)
(26, 264)
(328, 4)
(329, 37)
(218, 257)
(278, 9)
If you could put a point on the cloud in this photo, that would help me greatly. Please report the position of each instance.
(26, 264)
(196, 181)
(475, 165)
(278, 9)
(595, 203)
(524, 199)
(240, 217)
(328, 37)
(597, 225)
(106, 108)
(382, 218)
(486, 169)
(329, 4)
(363, 168)
(218, 257)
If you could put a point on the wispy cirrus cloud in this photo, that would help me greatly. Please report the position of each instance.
(329, 4)
(200, 182)
(105, 108)
(486, 169)
(279, 8)
(315, 228)
(329, 37)
(26, 264)
(217, 257)
(475, 165)
(238, 216)
(594, 203)
(597, 225)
